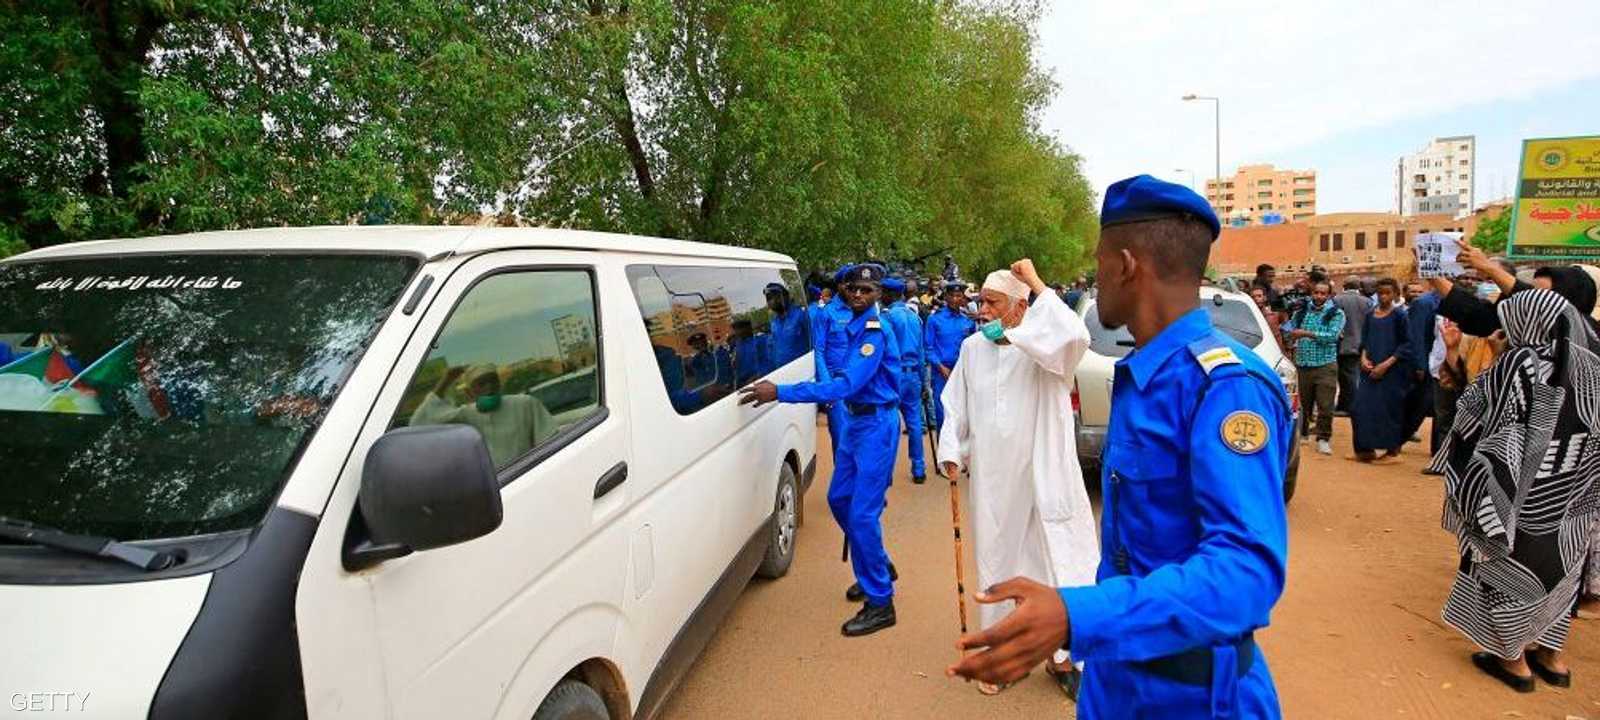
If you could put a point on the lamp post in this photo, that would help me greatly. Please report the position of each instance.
(1218, 126)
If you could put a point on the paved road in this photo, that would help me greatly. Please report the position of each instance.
(1357, 634)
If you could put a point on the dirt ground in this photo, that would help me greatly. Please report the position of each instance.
(1356, 635)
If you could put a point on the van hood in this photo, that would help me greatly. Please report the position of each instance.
(108, 645)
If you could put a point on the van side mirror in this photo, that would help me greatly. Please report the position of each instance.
(423, 488)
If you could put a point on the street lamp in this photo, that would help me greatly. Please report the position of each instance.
(1218, 126)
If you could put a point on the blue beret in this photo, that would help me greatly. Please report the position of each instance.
(775, 289)
(1142, 198)
(895, 284)
(838, 275)
(865, 272)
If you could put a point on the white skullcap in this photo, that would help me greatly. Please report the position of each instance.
(1003, 282)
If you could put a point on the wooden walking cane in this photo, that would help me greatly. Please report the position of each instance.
(955, 524)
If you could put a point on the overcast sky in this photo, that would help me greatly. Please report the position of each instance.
(1343, 88)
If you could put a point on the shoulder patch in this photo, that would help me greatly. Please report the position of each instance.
(1244, 432)
(874, 325)
(1211, 353)
(867, 349)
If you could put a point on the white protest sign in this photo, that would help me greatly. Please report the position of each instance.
(1437, 255)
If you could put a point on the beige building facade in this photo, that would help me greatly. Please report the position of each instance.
(1264, 195)
(1372, 243)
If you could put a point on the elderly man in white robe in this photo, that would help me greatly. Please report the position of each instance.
(1008, 422)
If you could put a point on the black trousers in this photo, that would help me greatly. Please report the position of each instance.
(1419, 403)
(1444, 414)
(1349, 376)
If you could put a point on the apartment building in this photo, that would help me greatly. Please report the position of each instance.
(1264, 195)
(1438, 179)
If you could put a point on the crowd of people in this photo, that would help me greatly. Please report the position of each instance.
(1507, 368)
(998, 366)
(1159, 604)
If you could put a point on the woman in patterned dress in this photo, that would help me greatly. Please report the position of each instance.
(1521, 465)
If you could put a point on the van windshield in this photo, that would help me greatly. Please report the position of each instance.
(164, 396)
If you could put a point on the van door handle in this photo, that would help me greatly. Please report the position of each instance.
(609, 481)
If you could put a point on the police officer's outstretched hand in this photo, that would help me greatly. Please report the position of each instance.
(758, 394)
(1020, 641)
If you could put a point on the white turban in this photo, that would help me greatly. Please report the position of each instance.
(1003, 282)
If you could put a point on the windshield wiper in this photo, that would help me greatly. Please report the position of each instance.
(50, 537)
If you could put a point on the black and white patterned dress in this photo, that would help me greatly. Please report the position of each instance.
(1521, 465)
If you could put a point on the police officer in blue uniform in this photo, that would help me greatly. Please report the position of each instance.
(865, 386)
(947, 327)
(908, 331)
(829, 346)
(1193, 534)
(790, 331)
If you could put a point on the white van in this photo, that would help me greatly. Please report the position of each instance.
(1231, 312)
(414, 472)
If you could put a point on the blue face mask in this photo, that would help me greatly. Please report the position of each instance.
(993, 330)
(488, 403)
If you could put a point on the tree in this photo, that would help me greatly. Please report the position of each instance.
(826, 129)
(1493, 233)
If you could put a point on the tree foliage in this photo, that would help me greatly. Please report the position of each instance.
(826, 129)
(1493, 233)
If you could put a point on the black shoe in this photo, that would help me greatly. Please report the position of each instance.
(1490, 665)
(1068, 678)
(870, 620)
(1561, 680)
(855, 594)
(919, 479)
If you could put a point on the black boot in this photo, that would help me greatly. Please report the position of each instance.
(855, 594)
(870, 620)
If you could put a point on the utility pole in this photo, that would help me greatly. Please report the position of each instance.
(1217, 102)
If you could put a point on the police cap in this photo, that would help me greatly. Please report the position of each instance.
(894, 285)
(1142, 198)
(865, 272)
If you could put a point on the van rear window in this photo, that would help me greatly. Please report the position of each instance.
(715, 329)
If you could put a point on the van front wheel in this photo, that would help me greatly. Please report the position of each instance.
(785, 527)
(572, 700)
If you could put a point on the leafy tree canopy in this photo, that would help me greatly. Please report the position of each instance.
(826, 129)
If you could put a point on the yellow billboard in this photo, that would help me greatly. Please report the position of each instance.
(1557, 214)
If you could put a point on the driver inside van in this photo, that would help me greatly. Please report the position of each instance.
(510, 424)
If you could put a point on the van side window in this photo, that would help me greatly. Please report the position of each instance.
(518, 360)
(716, 329)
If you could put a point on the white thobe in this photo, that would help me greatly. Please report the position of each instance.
(1008, 421)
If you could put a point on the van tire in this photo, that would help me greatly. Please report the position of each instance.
(572, 700)
(785, 531)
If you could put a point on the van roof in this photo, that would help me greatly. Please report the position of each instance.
(430, 241)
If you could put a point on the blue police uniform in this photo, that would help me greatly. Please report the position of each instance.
(942, 344)
(830, 349)
(750, 358)
(1193, 534)
(862, 385)
(790, 336)
(908, 331)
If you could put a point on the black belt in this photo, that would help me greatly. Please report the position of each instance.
(1194, 667)
(865, 408)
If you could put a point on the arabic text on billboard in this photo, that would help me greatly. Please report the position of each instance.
(1558, 199)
